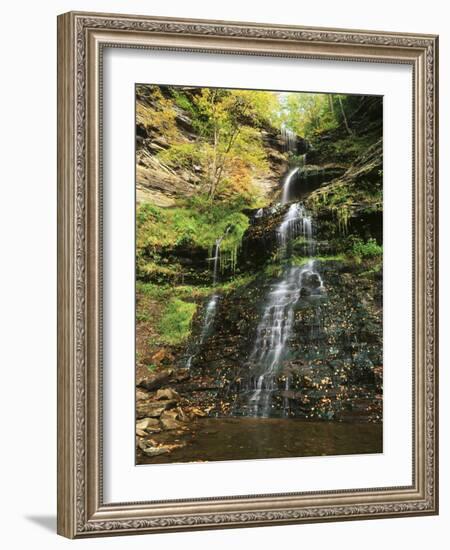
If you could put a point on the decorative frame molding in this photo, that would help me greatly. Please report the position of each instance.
(81, 38)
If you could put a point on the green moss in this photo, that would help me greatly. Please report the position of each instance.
(273, 269)
(164, 292)
(197, 223)
(175, 323)
(300, 260)
(373, 271)
(359, 190)
(300, 241)
(236, 282)
(368, 249)
(183, 101)
(152, 290)
(157, 271)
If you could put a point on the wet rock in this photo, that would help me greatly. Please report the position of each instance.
(181, 375)
(182, 415)
(142, 395)
(153, 409)
(173, 414)
(147, 425)
(195, 411)
(156, 381)
(161, 356)
(167, 393)
(152, 448)
(311, 280)
(156, 451)
(141, 443)
(171, 424)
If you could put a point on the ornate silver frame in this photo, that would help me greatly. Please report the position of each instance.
(81, 39)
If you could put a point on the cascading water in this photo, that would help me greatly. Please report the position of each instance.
(293, 174)
(274, 331)
(289, 139)
(287, 184)
(296, 222)
(211, 306)
(216, 259)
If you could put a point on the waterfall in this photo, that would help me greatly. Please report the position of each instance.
(289, 178)
(216, 259)
(296, 222)
(211, 306)
(274, 331)
(290, 146)
(289, 139)
(287, 183)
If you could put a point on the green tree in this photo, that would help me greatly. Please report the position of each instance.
(230, 140)
(229, 145)
(310, 114)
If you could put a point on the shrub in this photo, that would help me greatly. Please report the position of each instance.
(367, 249)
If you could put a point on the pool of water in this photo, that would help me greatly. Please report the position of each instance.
(214, 439)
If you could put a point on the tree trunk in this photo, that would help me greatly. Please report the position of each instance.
(347, 127)
(217, 174)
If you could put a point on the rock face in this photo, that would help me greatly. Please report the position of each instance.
(156, 381)
(353, 202)
(158, 183)
(334, 366)
(345, 145)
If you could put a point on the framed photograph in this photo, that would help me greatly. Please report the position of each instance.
(247, 287)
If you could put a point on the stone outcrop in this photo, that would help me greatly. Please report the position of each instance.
(159, 184)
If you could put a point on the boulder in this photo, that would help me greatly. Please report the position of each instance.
(142, 395)
(311, 280)
(171, 424)
(152, 448)
(162, 356)
(167, 393)
(156, 381)
(156, 451)
(195, 411)
(169, 420)
(148, 425)
(173, 413)
(181, 414)
(153, 409)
